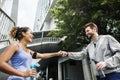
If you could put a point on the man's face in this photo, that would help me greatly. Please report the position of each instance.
(89, 32)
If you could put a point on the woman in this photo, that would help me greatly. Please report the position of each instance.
(20, 56)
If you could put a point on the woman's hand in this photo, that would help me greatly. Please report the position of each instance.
(30, 73)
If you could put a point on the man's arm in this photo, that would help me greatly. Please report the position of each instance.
(115, 48)
(76, 55)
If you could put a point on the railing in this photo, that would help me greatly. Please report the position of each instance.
(46, 40)
(6, 23)
(3, 44)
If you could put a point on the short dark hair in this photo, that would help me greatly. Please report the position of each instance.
(91, 25)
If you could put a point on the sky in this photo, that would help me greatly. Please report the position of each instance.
(26, 13)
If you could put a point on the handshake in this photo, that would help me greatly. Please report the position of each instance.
(63, 53)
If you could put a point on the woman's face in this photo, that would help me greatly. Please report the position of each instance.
(28, 36)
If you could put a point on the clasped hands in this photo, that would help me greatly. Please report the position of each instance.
(63, 53)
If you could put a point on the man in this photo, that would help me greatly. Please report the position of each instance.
(104, 50)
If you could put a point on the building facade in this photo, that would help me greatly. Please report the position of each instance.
(58, 68)
(8, 17)
(6, 23)
(6, 6)
(43, 20)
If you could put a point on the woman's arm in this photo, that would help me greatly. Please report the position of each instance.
(45, 55)
(5, 57)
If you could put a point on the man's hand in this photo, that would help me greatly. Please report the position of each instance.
(100, 65)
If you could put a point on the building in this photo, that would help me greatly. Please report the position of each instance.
(6, 23)
(43, 20)
(10, 7)
(43, 24)
(6, 6)
(57, 68)
(8, 17)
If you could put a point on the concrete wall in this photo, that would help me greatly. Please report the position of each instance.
(70, 70)
(74, 70)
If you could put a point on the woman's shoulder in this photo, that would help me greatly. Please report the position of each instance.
(10, 49)
(13, 46)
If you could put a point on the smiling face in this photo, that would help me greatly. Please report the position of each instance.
(91, 29)
(89, 32)
(28, 36)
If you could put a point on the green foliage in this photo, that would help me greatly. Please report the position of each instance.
(71, 15)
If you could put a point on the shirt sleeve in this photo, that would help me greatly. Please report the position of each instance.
(78, 55)
(114, 45)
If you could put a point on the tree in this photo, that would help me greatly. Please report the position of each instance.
(71, 16)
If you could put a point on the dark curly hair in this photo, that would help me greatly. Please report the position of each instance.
(16, 32)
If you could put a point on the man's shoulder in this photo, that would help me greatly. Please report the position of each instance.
(106, 36)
